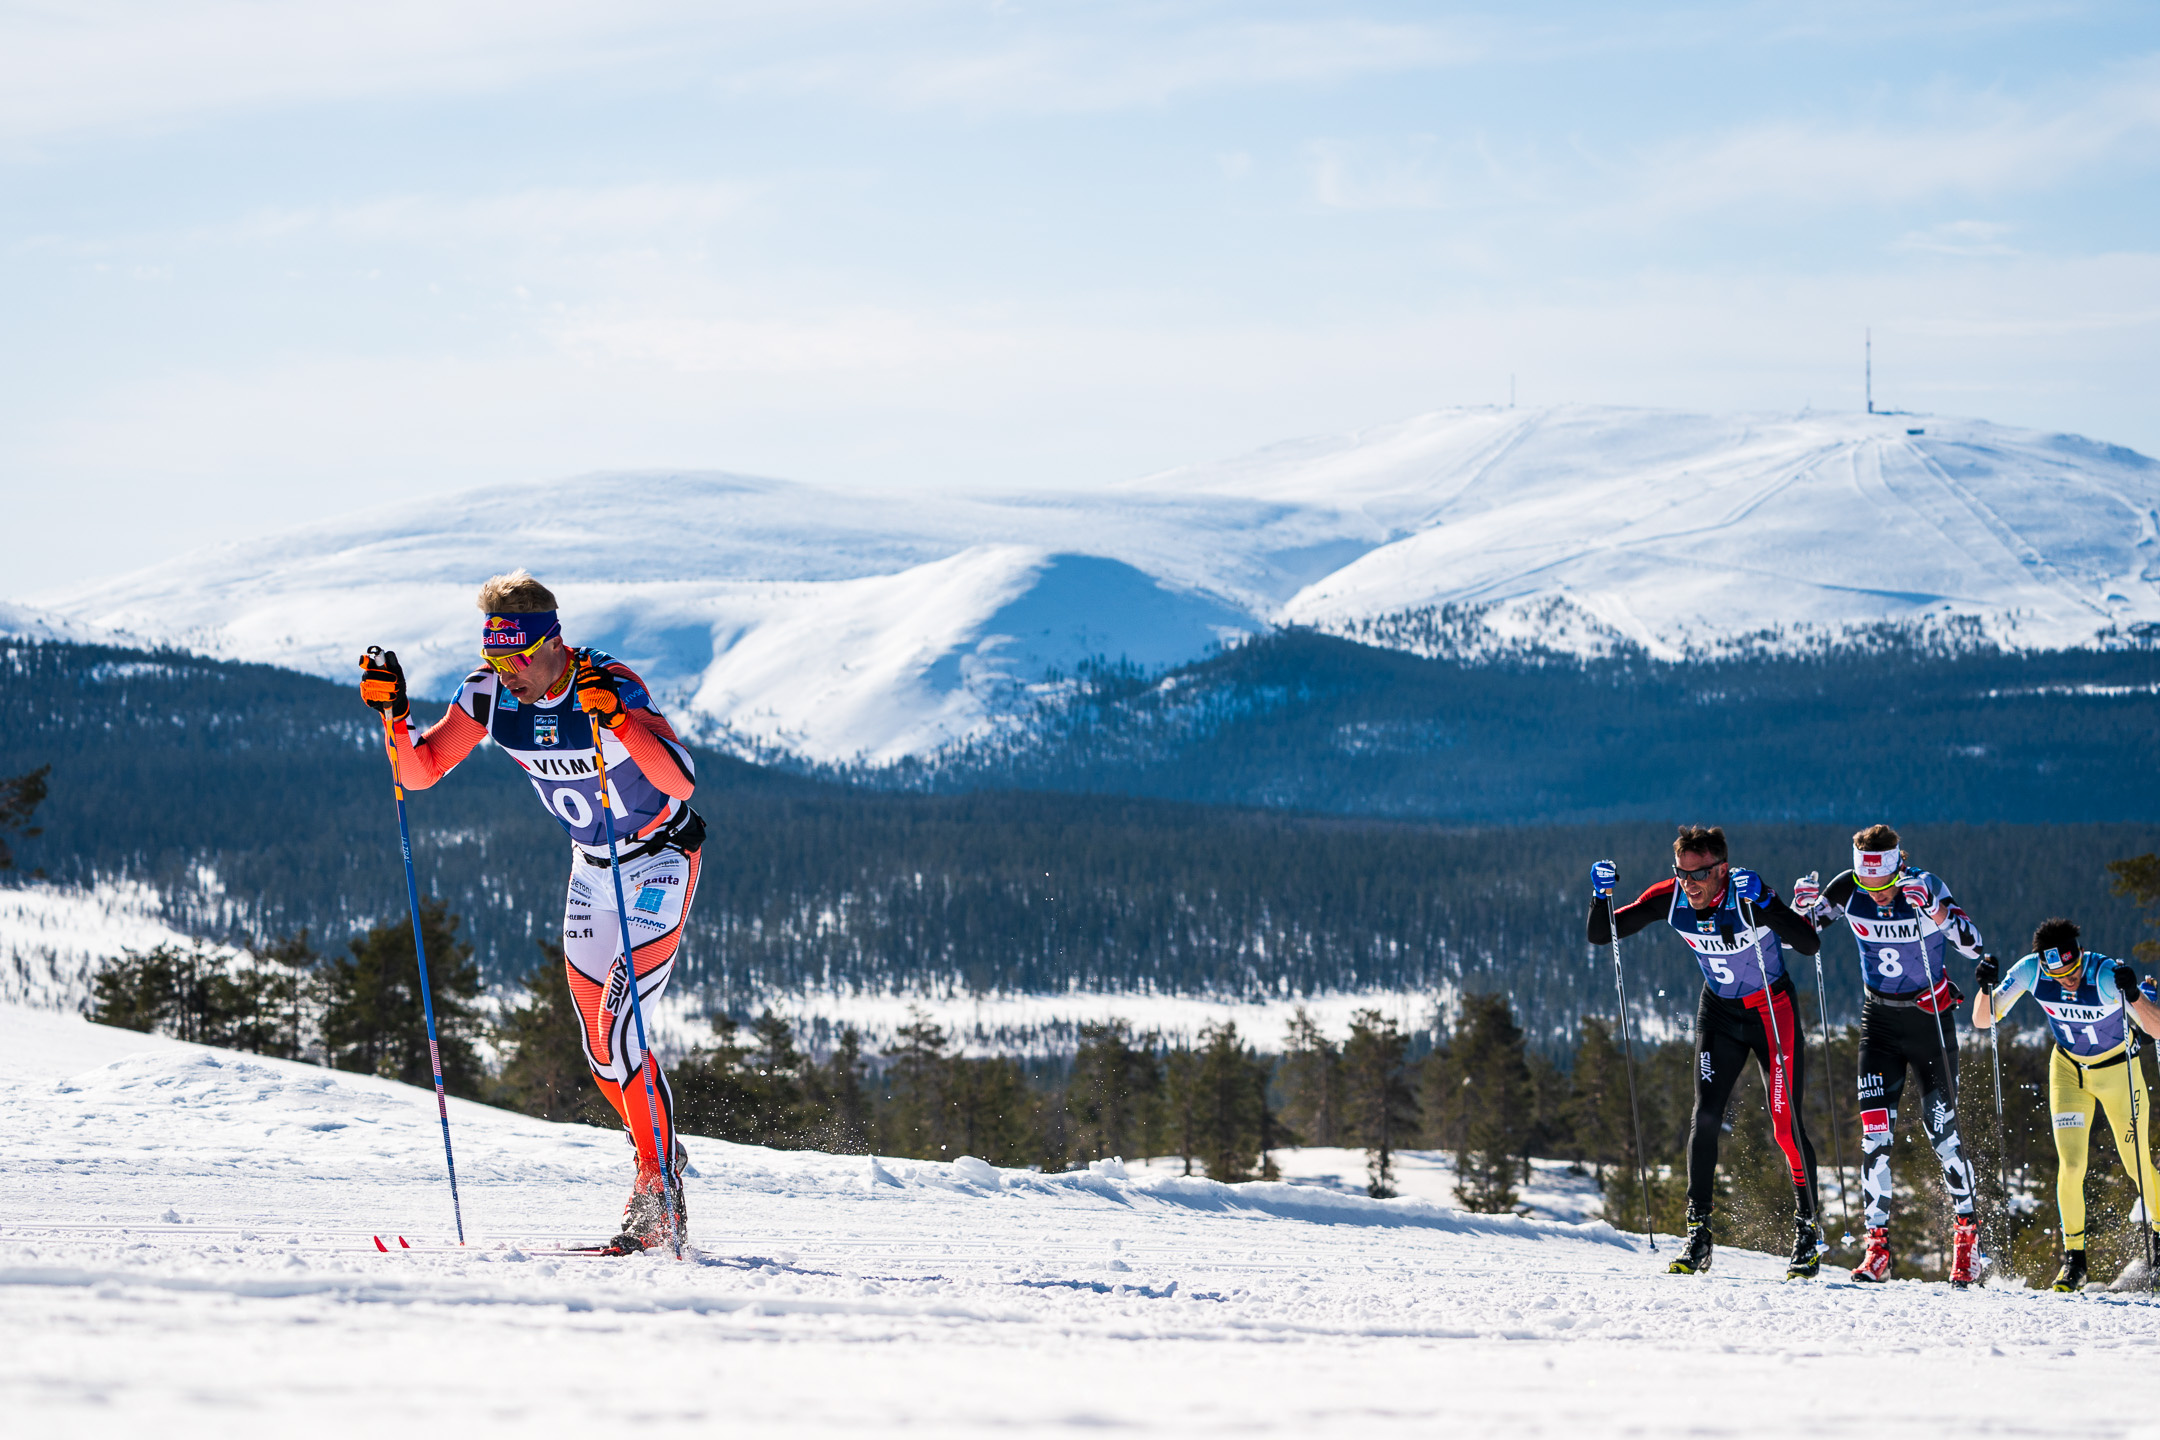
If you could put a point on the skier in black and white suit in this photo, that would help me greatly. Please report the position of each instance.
(1905, 922)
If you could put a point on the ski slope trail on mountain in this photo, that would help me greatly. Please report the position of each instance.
(187, 1247)
(841, 624)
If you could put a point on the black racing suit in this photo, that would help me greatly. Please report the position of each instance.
(1727, 1031)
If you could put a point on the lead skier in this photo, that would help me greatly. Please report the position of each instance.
(1904, 921)
(2085, 996)
(545, 706)
(1734, 923)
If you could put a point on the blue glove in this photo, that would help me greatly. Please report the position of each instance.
(1748, 886)
(1603, 876)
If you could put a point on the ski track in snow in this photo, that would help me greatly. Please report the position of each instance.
(186, 1247)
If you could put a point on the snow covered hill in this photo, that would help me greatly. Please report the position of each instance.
(839, 624)
(187, 1249)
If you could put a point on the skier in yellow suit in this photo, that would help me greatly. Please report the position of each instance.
(2087, 998)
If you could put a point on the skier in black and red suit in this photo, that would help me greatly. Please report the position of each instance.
(1734, 923)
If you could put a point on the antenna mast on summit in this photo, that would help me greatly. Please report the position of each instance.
(1871, 370)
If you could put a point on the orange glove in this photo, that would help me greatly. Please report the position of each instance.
(596, 692)
(382, 683)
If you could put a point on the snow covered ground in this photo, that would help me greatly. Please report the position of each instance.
(840, 624)
(186, 1249)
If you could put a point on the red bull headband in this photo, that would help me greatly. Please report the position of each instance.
(517, 632)
(1880, 866)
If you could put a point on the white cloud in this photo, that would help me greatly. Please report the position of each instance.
(68, 65)
(1977, 238)
(612, 215)
(1122, 59)
(1987, 145)
(90, 64)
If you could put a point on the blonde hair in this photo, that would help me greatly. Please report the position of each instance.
(516, 593)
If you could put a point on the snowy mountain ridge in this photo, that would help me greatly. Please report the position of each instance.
(861, 625)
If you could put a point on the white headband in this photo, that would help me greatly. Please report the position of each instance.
(1876, 864)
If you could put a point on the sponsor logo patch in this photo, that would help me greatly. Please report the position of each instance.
(1704, 1061)
(1874, 1122)
(546, 730)
(2071, 1121)
(651, 898)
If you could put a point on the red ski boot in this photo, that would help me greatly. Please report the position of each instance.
(1964, 1244)
(1874, 1267)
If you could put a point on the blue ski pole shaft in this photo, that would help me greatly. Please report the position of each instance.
(1627, 1055)
(1837, 1144)
(2004, 1227)
(2140, 1158)
(637, 1010)
(1777, 1070)
(427, 998)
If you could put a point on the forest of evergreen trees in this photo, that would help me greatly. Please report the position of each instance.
(256, 800)
(1220, 1105)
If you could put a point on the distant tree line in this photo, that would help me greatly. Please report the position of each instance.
(287, 825)
(1218, 1106)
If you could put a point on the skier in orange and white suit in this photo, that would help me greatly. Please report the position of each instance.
(546, 706)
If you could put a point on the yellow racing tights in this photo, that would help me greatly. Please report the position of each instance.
(2074, 1092)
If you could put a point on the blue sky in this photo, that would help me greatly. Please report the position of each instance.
(267, 263)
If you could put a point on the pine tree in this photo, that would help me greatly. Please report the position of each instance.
(918, 1086)
(1115, 1093)
(1229, 1105)
(20, 795)
(844, 1103)
(284, 994)
(1488, 1053)
(1312, 1082)
(1378, 1102)
(1182, 1094)
(1604, 1126)
(712, 1096)
(544, 1070)
(2139, 878)
(372, 1018)
(992, 1111)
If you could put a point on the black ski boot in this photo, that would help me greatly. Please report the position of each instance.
(1700, 1247)
(2072, 1275)
(1806, 1250)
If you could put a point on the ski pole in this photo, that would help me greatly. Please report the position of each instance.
(1942, 1043)
(2139, 1158)
(1777, 1052)
(1837, 1145)
(427, 999)
(1627, 1054)
(2002, 1143)
(637, 1011)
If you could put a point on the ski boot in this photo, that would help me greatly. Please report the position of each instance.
(1874, 1266)
(1806, 1250)
(1964, 1243)
(645, 1218)
(2072, 1274)
(1700, 1247)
